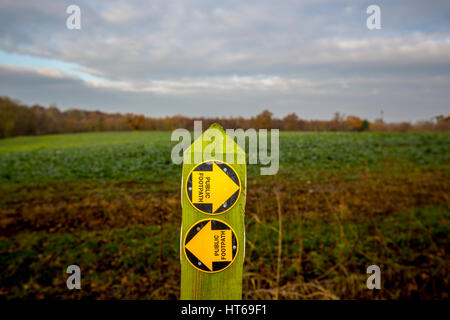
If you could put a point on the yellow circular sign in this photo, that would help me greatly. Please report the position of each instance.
(210, 245)
(213, 187)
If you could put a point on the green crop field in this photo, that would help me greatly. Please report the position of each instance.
(110, 203)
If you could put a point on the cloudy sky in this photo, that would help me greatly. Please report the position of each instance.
(230, 58)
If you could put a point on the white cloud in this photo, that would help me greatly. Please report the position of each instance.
(120, 12)
(309, 50)
(45, 72)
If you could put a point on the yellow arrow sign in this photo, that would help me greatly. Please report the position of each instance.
(209, 246)
(213, 187)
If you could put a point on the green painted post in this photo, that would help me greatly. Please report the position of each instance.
(213, 192)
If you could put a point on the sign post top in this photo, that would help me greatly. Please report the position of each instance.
(213, 144)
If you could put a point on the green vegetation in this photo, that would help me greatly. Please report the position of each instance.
(110, 202)
(145, 156)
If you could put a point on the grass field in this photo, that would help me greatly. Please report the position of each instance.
(110, 202)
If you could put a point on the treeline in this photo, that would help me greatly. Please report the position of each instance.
(17, 119)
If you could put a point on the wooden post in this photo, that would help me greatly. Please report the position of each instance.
(213, 192)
